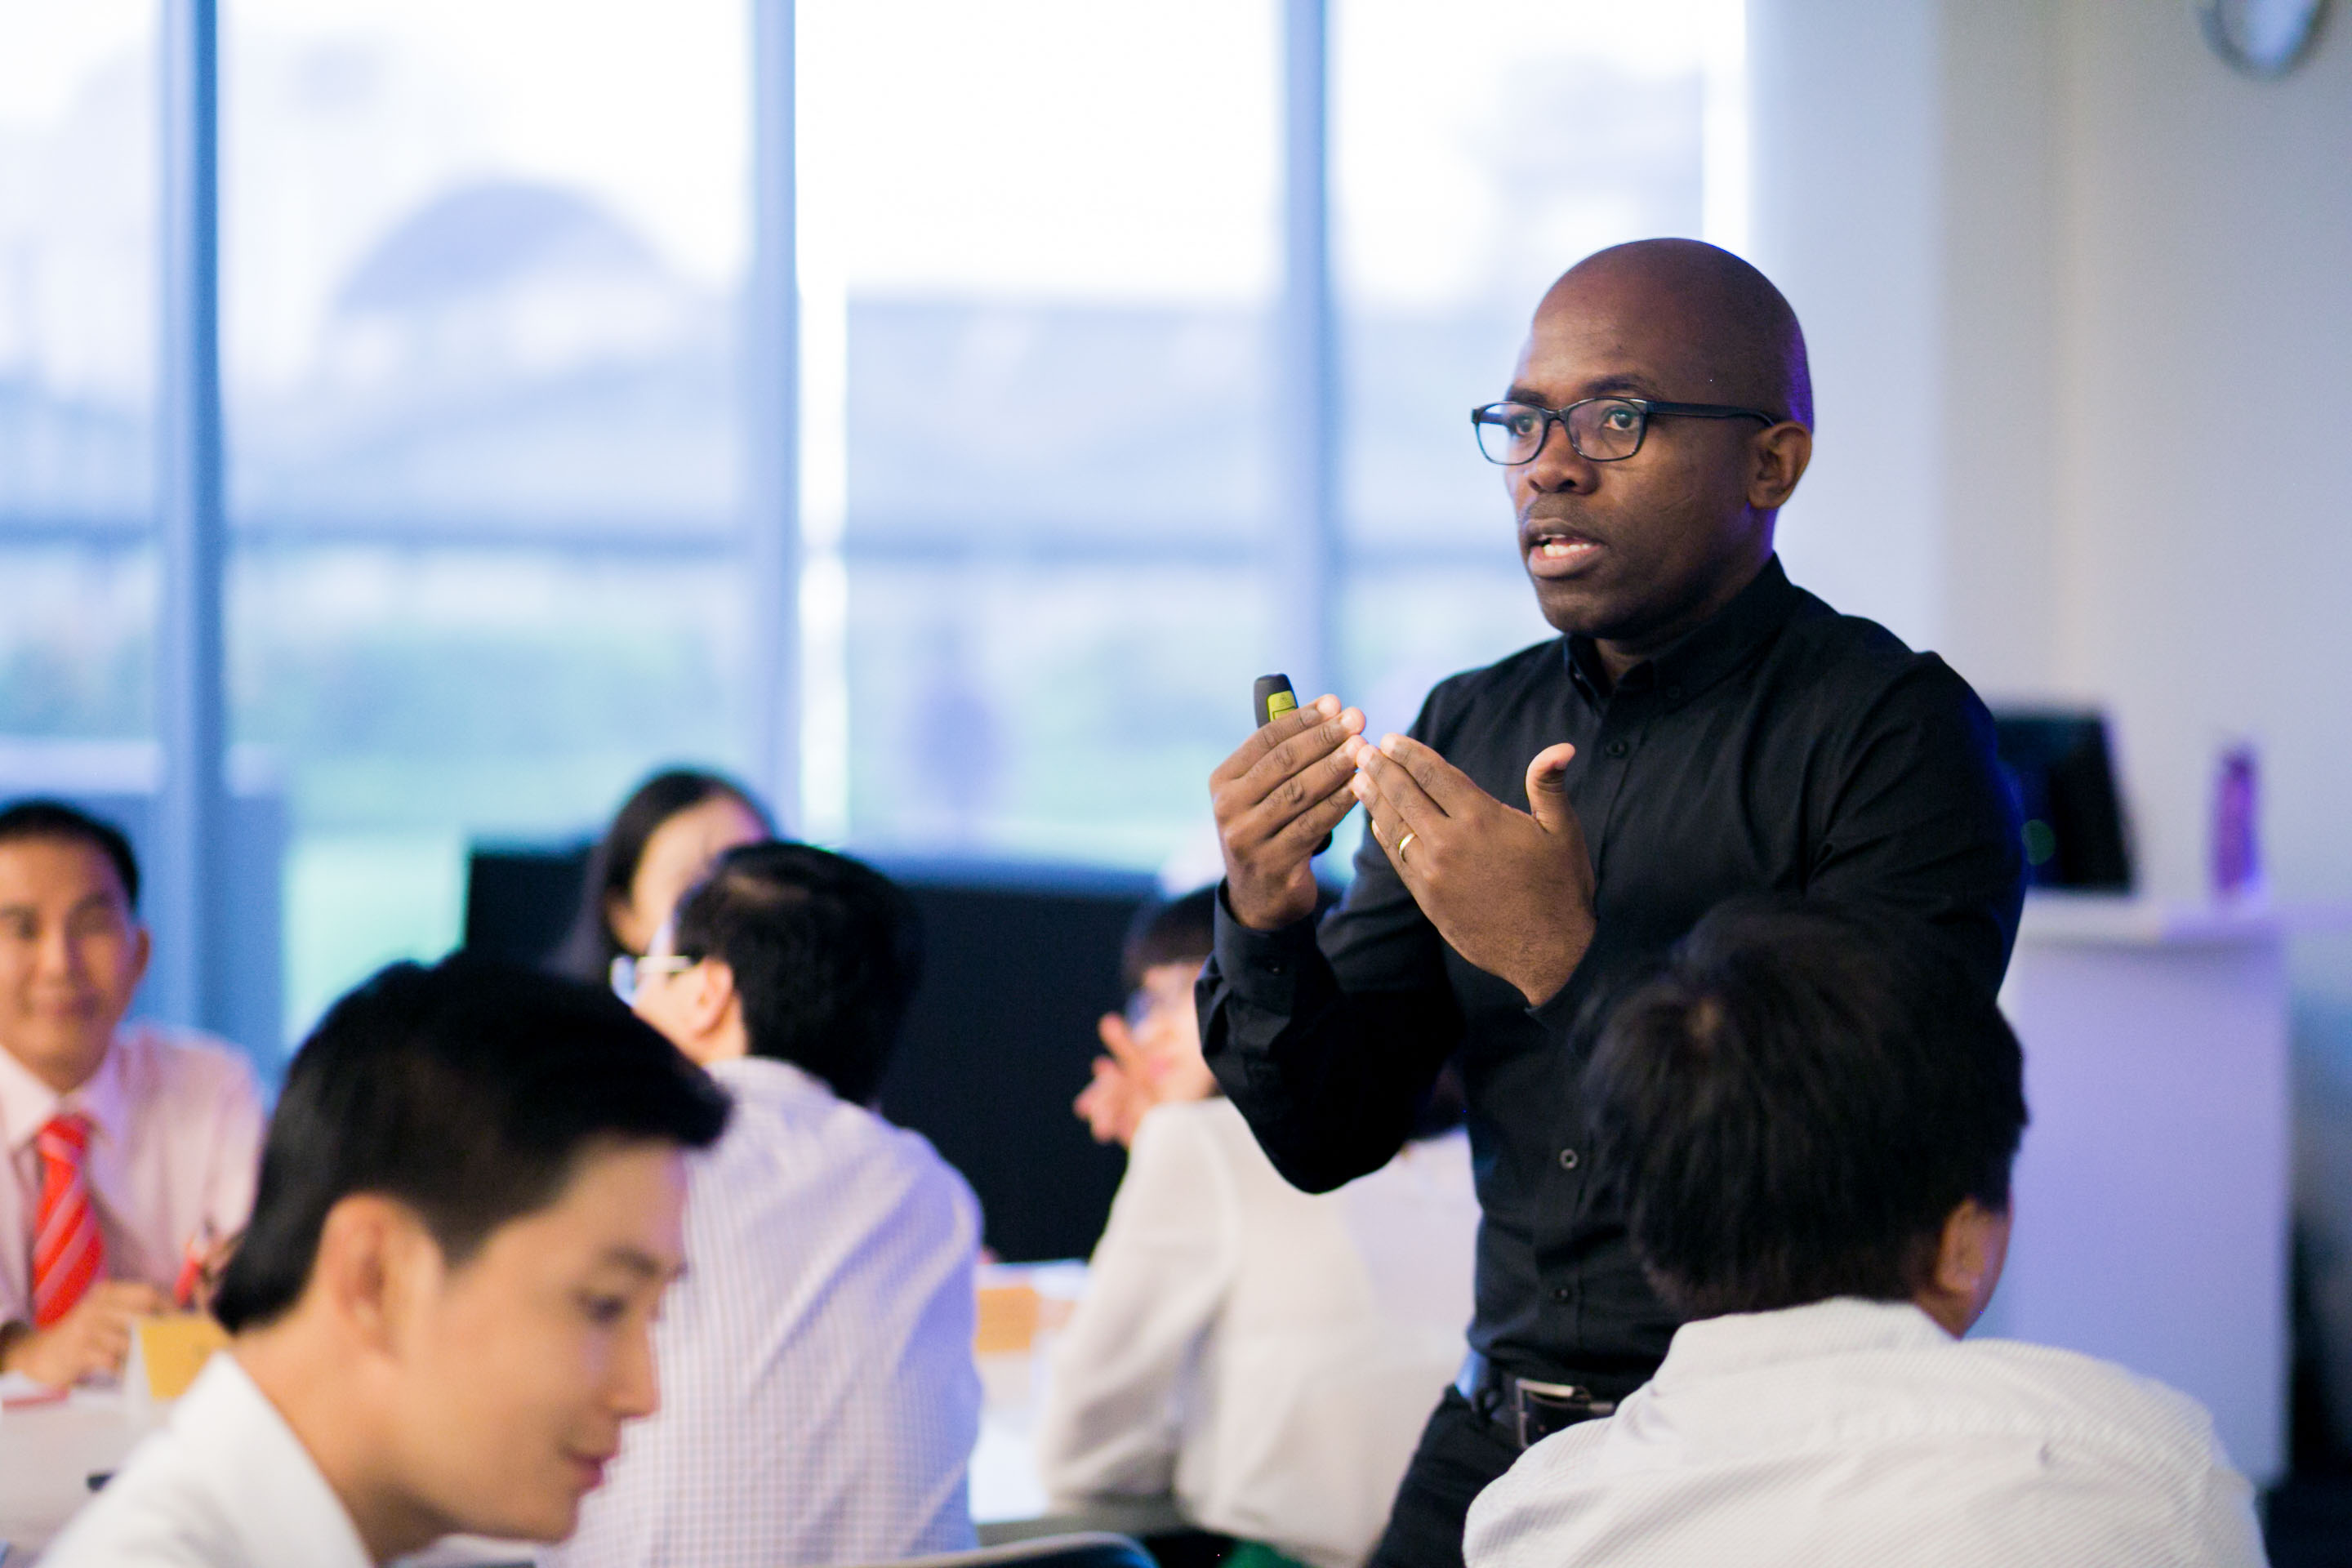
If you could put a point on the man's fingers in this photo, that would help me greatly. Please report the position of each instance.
(1306, 830)
(1447, 787)
(1301, 761)
(1123, 1049)
(1548, 789)
(1382, 776)
(1285, 729)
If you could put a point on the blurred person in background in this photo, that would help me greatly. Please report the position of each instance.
(1153, 1046)
(1815, 1110)
(663, 838)
(820, 1398)
(442, 1313)
(129, 1151)
(1268, 1356)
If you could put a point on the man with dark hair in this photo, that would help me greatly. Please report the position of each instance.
(442, 1313)
(1701, 729)
(1814, 1112)
(127, 1152)
(817, 1364)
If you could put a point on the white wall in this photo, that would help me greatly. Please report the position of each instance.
(2080, 300)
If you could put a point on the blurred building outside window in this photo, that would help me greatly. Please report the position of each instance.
(483, 273)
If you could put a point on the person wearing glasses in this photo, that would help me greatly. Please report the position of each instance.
(1264, 1355)
(820, 1399)
(1701, 729)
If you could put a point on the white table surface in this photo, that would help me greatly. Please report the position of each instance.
(48, 1453)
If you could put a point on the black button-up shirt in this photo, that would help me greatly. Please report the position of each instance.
(1779, 748)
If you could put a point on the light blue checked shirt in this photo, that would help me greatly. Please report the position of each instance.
(819, 1399)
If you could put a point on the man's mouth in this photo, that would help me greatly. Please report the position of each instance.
(1553, 550)
(589, 1467)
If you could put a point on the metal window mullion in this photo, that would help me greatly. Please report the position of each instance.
(771, 412)
(1304, 558)
(188, 831)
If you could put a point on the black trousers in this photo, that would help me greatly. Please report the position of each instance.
(1460, 1452)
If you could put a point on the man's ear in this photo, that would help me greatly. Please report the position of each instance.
(373, 1253)
(142, 949)
(1777, 459)
(1969, 1257)
(711, 994)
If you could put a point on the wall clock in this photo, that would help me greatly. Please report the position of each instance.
(2261, 37)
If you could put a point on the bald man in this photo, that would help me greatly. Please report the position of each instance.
(1553, 824)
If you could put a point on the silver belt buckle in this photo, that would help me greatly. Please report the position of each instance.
(1533, 1402)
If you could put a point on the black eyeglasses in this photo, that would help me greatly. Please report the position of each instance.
(1602, 429)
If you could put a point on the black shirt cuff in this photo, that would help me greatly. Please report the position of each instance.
(1262, 966)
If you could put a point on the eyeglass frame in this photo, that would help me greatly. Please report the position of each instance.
(1651, 409)
(628, 972)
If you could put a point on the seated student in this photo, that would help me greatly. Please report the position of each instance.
(1268, 1356)
(662, 840)
(1815, 1118)
(822, 1402)
(129, 1150)
(442, 1311)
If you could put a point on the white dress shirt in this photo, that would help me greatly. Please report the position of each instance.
(1268, 1355)
(174, 1151)
(1852, 1432)
(819, 1398)
(226, 1484)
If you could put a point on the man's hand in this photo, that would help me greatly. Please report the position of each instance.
(95, 1337)
(1113, 1105)
(1510, 890)
(1275, 797)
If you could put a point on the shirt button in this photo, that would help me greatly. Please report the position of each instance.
(1562, 1293)
(1568, 1159)
(1617, 748)
(1673, 694)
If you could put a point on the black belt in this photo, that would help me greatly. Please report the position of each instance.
(1528, 1409)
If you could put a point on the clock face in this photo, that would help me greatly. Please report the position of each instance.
(2261, 37)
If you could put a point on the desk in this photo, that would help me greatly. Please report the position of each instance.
(48, 1453)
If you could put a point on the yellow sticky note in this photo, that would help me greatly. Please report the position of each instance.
(167, 1353)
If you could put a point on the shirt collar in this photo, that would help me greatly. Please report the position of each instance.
(285, 1513)
(772, 1076)
(1743, 1342)
(26, 1104)
(1708, 652)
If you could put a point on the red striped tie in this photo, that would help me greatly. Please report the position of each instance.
(68, 1256)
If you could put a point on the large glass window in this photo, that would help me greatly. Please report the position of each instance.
(480, 271)
(78, 297)
(1038, 243)
(1470, 166)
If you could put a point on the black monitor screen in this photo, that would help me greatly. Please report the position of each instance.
(2057, 763)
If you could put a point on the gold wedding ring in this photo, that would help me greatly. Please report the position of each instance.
(1405, 844)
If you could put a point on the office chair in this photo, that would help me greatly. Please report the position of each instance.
(1086, 1548)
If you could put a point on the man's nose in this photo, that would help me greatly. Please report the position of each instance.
(636, 1382)
(56, 955)
(1558, 465)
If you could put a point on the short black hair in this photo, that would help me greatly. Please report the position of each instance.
(468, 1093)
(1797, 1103)
(826, 952)
(1176, 931)
(588, 952)
(54, 819)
